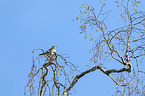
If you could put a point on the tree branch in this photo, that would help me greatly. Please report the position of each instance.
(93, 69)
(44, 81)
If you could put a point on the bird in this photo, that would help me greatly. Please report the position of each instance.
(51, 52)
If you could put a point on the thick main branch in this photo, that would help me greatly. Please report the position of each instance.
(93, 69)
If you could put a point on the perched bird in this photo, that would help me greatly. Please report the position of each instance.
(51, 52)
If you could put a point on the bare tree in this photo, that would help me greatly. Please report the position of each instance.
(123, 46)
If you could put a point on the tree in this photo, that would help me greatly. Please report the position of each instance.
(123, 46)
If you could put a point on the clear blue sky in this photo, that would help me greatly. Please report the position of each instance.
(29, 24)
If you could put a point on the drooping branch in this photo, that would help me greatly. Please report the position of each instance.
(44, 81)
(57, 69)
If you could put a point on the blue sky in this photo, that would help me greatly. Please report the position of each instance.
(29, 24)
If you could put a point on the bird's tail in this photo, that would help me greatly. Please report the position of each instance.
(41, 54)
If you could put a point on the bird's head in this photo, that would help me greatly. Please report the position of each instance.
(54, 47)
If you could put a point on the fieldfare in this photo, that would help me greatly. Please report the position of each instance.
(51, 52)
